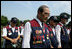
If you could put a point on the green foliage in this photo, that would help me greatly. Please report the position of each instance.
(26, 21)
(4, 20)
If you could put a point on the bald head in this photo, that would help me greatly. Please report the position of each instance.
(41, 8)
(43, 13)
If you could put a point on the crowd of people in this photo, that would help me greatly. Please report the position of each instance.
(38, 33)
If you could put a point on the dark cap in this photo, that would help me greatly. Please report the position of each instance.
(54, 18)
(21, 22)
(14, 20)
(64, 15)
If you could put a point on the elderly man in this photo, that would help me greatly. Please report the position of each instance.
(36, 33)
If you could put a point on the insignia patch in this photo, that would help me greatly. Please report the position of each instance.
(43, 39)
(38, 31)
(47, 31)
(44, 30)
(9, 33)
(47, 37)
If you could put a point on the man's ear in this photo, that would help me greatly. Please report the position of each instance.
(39, 12)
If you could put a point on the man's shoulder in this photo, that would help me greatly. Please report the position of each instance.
(34, 23)
(45, 25)
(58, 26)
(27, 23)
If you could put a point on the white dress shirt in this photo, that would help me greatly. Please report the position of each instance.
(27, 34)
(58, 33)
(68, 31)
(53, 29)
(5, 31)
(22, 29)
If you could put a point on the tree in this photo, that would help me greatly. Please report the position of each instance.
(26, 21)
(4, 20)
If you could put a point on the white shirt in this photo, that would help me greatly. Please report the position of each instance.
(68, 31)
(22, 31)
(58, 33)
(27, 34)
(5, 31)
(53, 29)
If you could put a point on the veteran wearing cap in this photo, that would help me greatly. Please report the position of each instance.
(61, 31)
(11, 34)
(51, 27)
(35, 31)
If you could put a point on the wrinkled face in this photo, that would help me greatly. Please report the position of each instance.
(44, 15)
(64, 20)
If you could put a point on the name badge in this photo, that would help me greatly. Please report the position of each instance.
(9, 33)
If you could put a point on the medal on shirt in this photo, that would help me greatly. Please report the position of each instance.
(38, 31)
(44, 30)
(47, 37)
(34, 38)
(43, 38)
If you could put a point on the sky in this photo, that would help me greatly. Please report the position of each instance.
(24, 10)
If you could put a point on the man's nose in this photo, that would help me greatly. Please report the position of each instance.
(46, 16)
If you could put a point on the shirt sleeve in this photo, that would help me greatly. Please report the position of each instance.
(26, 34)
(4, 32)
(58, 30)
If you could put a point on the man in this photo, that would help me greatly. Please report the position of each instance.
(52, 23)
(61, 31)
(11, 34)
(35, 31)
(3, 46)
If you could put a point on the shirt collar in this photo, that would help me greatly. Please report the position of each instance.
(39, 21)
(61, 23)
